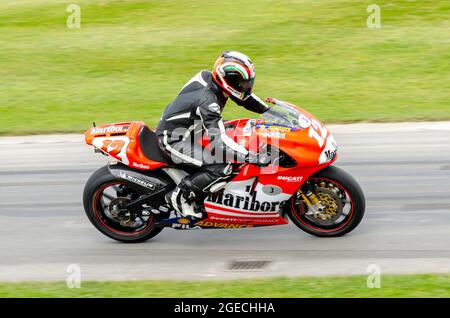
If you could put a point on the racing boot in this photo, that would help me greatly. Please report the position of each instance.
(192, 191)
(182, 201)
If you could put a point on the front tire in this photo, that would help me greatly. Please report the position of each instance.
(100, 217)
(346, 188)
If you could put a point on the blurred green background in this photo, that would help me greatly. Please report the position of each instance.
(392, 286)
(130, 58)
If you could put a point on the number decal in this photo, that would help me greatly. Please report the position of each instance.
(113, 147)
(314, 131)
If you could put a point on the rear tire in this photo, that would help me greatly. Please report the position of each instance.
(354, 194)
(97, 182)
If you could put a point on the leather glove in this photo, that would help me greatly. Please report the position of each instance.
(261, 160)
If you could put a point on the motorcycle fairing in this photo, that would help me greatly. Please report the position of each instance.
(247, 202)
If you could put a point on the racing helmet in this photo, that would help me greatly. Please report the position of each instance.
(234, 73)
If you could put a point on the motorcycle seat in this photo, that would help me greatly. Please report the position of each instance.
(149, 145)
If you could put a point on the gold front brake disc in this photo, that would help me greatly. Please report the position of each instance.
(331, 202)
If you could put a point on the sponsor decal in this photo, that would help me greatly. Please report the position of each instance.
(183, 221)
(229, 219)
(330, 150)
(290, 179)
(183, 226)
(223, 225)
(140, 165)
(108, 129)
(220, 71)
(244, 219)
(137, 180)
(273, 134)
(275, 128)
(330, 154)
(244, 203)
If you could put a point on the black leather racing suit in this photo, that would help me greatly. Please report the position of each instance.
(196, 110)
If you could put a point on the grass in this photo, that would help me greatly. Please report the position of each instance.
(348, 287)
(130, 58)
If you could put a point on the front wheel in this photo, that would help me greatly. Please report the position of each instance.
(342, 201)
(102, 195)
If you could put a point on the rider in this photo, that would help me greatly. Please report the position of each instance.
(197, 109)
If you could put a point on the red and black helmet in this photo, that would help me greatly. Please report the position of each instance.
(234, 72)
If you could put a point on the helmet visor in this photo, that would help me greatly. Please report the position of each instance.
(247, 87)
(243, 86)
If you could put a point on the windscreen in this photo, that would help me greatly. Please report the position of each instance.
(283, 114)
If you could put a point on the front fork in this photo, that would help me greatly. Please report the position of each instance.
(313, 203)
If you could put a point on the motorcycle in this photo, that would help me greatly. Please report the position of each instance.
(125, 201)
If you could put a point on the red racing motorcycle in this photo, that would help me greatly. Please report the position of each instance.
(125, 199)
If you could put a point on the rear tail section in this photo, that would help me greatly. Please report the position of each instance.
(132, 143)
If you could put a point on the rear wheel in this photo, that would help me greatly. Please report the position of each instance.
(102, 197)
(342, 200)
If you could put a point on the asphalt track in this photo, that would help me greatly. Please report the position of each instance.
(404, 170)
